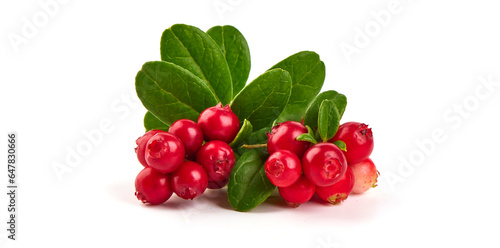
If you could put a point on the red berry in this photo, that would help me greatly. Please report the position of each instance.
(283, 168)
(299, 192)
(152, 187)
(324, 164)
(217, 158)
(365, 176)
(164, 152)
(189, 133)
(283, 137)
(339, 191)
(358, 139)
(141, 145)
(189, 181)
(219, 123)
(218, 184)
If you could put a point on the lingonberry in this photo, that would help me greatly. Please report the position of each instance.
(189, 181)
(218, 184)
(283, 168)
(164, 152)
(141, 145)
(189, 133)
(365, 176)
(339, 191)
(217, 158)
(152, 187)
(283, 137)
(219, 123)
(299, 192)
(324, 164)
(358, 139)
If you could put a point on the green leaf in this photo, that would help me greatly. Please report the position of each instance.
(248, 184)
(309, 136)
(263, 100)
(245, 132)
(308, 75)
(311, 117)
(151, 122)
(257, 137)
(194, 50)
(340, 144)
(170, 92)
(236, 51)
(328, 120)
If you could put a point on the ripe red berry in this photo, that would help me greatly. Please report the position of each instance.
(219, 123)
(358, 139)
(365, 176)
(189, 181)
(324, 164)
(217, 158)
(283, 137)
(218, 184)
(189, 133)
(141, 145)
(339, 191)
(152, 187)
(164, 152)
(299, 192)
(283, 168)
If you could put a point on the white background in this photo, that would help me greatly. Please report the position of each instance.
(407, 81)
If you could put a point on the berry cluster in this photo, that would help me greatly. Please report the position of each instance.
(179, 161)
(299, 170)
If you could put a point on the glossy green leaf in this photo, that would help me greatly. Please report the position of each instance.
(194, 50)
(308, 75)
(340, 144)
(328, 120)
(263, 100)
(151, 122)
(245, 131)
(311, 117)
(170, 92)
(309, 136)
(236, 51)
(248, 184)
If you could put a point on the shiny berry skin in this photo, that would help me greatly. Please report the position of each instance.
(152, 187)
(189, 181)
(219, 123)
(339, 191)
(189, 133)
(164, 152)
(217, 158)
(365, 176)
(283, 168)
(141, 145)
(283, 137)
(218, 184)
(358, 139)
(299, 192)
(324, 164)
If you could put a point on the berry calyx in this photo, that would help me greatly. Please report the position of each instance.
(358, 139)
(189, 133)
(299, 192)
(217, 158)
(152, 187)
(324, 164)
(283, 168)
(339, 191)
(283, 137)
(164, 152)
(365, 176)
(141, 145)
(219, 123)
(189, 181)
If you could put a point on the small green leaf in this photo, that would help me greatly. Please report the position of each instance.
(245, 131)
(309, 136)
(263, 100)
(311, 117)
(236, 51)
(248, 184)
(151, 122)
(328, 120)
(340, 145)
(194, 50)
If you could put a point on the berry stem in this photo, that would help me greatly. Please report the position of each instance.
(245, 146)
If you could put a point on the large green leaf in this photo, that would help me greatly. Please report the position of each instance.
(263, 100)
(236, 51)
(308, 75)
(328, 120)
(170, 92)
(151, 122)
(311, 116)
(194, 50)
